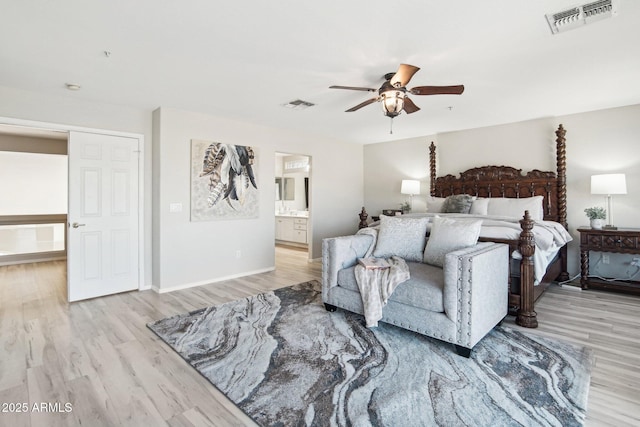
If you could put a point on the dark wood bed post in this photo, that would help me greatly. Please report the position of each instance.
(561, 163)
(526, 315)
(432, 168)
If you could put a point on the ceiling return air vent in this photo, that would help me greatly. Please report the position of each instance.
(576, 16)
(298, 104)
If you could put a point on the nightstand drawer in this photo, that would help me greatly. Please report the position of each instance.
(632, 243)
(597, 241)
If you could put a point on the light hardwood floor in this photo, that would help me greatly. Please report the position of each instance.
(99, 356)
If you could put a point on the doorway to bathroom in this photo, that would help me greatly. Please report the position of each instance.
(292, 202)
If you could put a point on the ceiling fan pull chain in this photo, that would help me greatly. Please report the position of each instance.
(391, 126)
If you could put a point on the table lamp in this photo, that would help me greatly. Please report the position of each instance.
(609, 184)
(410, 187)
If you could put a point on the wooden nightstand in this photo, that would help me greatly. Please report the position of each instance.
(622, 241)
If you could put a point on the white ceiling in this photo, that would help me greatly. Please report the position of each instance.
(245, 59)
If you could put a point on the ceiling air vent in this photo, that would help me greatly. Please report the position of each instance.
(576, 16)
(298, 104)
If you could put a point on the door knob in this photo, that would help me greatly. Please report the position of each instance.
(76, 225)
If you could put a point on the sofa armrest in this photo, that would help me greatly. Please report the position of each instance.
(341, 252)
(476, 289)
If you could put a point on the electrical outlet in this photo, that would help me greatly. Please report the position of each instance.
(605, 258)
(238, 253)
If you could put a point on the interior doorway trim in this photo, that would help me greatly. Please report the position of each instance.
(141, 170)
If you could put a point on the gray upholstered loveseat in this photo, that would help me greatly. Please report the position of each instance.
(459, 303)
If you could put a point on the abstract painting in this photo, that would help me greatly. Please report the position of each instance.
(223, 181)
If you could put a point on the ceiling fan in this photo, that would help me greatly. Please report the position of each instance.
(393, 92)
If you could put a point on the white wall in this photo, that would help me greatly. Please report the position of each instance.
(597, 142)
(33, 183)
(386, 165)
(187, 253)
(68, 110)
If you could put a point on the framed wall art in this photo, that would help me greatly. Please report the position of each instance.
(223, 181)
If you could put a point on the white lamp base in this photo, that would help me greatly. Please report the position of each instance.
(610, 226)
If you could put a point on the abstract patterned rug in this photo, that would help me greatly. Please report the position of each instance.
(284, 360)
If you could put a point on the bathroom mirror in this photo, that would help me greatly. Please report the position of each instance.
(285, 189)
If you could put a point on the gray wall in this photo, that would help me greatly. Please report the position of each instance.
(597, 142)
(187, 253)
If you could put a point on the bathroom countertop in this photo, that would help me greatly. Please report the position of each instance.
(293, 214)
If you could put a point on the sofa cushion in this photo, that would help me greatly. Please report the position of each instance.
(422, 290)
(448, 235)
(403, 237)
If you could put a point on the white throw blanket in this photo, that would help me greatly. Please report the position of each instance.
(377, 285)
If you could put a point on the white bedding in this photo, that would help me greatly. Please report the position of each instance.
(549, 236)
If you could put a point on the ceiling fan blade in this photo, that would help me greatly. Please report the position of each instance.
(437, 90)
(364, 104)
(366, 89)
(409, 106)
(403, 75)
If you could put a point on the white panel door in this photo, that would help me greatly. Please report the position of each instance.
(102, 254)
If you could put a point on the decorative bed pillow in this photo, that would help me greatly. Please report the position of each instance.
(459, 203)
(448, 235)
(515, 208)
(403, 237)
(479, 206)
(434, 204)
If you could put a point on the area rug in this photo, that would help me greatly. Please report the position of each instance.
(285, 361)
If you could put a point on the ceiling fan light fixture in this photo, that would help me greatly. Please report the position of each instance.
(392, 102)
(392, 93)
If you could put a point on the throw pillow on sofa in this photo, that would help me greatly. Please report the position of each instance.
(403, 237)
(448, 235)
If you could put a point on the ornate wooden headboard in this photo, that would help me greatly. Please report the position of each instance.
(505, 181)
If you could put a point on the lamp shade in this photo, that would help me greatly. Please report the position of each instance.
(611, 183)
(410, 186)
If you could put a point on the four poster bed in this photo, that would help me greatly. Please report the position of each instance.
(538, 244)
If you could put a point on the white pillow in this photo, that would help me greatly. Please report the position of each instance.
(448, 235)
(515, 208)
(479, 206)
(434, 204)
(401, 236)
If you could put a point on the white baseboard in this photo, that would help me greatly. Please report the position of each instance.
(210, 281)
